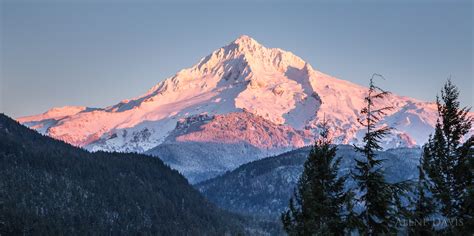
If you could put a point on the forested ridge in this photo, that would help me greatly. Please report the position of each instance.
(50, 187)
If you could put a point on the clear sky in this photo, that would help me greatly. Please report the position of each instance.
(97, 53)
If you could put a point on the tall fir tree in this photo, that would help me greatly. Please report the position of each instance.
(447, 160)
(319, 204)
(421, 222)
(379, 199)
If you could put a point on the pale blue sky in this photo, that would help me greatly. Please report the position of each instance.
(56, 53)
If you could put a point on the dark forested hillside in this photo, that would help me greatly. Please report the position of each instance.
(263, 188)
(50, 187)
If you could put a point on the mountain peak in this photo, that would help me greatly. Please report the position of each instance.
(258, 56)
(245, 40)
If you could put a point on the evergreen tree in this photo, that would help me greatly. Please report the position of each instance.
(380, 199)
(319, 202)
(420, 220)
(468, 205)
(446, 160)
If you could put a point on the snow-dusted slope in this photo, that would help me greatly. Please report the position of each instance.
(50, 118)
(244, 75)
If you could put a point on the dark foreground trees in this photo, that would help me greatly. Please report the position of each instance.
(319, 203)
(379, 199)
(448, 163)
(421, 221)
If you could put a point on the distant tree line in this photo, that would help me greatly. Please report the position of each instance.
(441, 201)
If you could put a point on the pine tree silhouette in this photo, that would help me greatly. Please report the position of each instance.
(319, 203)
(447, 161)
(379, 199)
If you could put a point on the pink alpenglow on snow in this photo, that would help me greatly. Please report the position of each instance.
(270, 83)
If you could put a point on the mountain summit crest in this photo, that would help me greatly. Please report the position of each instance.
(246, 40)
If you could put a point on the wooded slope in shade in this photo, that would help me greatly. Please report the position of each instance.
(50, 187)
(262, 188)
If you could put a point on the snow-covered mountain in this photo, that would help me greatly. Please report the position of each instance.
(270, 83)
(244, 75)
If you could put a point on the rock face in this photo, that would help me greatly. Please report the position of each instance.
(239, 127)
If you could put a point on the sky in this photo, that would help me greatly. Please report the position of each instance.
(97, 53)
